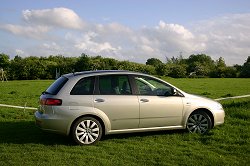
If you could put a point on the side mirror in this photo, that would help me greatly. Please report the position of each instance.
(174, 92)
(171, 92)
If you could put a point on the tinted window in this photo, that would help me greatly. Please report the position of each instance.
(151, 86)
(114, 85)
(84, 87)
(57, 85)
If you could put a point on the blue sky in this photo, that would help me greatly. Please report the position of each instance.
(133, 30)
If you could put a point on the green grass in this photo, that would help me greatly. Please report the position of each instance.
(22, 143)
(22, 92)
(213, 87)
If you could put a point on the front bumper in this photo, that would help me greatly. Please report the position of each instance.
(219, 117)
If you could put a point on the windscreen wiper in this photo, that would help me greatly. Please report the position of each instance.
(45, 92)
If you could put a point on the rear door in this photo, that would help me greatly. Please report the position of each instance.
(114, 97)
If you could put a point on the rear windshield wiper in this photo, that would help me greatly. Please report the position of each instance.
(45, 92)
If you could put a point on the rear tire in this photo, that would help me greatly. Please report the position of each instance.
(86, 131)
(199, 122)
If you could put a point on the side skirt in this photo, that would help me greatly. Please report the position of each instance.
(144, 129)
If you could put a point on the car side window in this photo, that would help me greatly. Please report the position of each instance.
(152, 87)
(84, 87)
(114, 85)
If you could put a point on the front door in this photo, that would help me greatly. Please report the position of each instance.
(158, 106)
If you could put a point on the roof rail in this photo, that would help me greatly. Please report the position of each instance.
(98, 71)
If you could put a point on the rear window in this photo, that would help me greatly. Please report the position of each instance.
(56, 86)
(84, 87)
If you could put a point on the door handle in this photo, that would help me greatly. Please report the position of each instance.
(144, 100)
(99, 100)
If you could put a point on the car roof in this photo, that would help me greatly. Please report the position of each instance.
(100, 72)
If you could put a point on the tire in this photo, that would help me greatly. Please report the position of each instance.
(86, 131)
(199, 122)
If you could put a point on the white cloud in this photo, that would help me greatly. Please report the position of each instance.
(58, 17)
(52, 46)
(227, 36)
(38, 23)
(87, 44)
(20, 52)
(37, 32)
(62, 31)
(168, 40)
(175, 28)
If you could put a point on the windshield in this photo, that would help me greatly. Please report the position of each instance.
(151, 86)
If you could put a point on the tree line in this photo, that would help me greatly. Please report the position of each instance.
(199, 65)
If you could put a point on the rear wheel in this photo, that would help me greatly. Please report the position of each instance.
(86, 131)
(199, 122)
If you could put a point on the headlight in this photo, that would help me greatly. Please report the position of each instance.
(218, 106)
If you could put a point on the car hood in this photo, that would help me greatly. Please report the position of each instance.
(201, 101)
(198, 97)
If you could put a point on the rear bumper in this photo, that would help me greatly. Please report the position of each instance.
(50, 123)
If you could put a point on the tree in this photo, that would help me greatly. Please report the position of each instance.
(110, 63)
(220, 63)
(18, 69)
(83, 63)
(162, 70)
(245, 72)
(154, 62)
(178, 71)
(220, 69)
(178, 60)
(230, 72)
(238, 69)
(200, 64)
(4, 61)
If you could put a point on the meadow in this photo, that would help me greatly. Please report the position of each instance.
(22, 143)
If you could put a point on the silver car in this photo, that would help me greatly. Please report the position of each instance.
(88, 105)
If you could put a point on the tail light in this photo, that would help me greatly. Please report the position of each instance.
(50, 101)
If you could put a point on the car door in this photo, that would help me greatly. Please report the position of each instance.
(114, 97)
(158, 105)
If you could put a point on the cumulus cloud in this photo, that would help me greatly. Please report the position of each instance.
(52, 46)
(62, 31)
(87, 44)
(167, 40)
(176, 29)
(59, 17)
(38, 23)
(227, 36)
(37, 32)
(20, 52)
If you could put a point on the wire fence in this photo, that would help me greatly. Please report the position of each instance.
(234, 97)
(21, 107)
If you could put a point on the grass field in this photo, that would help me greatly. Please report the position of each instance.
(22, 143)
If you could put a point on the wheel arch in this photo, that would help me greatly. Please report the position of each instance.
(207, 111)
(89, 115)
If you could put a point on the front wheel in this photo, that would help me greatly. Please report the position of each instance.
(199, 122)
(86, 131)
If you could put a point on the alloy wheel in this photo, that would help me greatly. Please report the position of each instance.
(199, 123)
(87, 131)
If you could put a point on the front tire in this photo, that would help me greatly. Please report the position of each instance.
(199, 122)
(86, 131)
